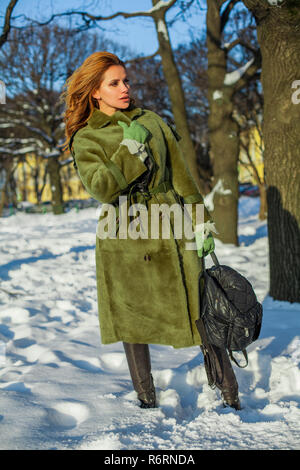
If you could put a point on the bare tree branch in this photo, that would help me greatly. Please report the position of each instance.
(251, 71)
(146, 57)
(184, 7)
(251, 163)
(226, 13)
(240, 42)
(162, 6)
(7, 22)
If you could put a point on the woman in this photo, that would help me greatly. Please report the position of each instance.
(129, 159)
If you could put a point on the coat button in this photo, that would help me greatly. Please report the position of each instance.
(147, 257)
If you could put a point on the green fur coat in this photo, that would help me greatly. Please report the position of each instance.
(147, 286)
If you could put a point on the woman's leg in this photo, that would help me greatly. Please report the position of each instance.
(220, 373)
(139, 364)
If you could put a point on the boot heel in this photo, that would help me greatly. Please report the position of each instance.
(231, 399)
(148, 399)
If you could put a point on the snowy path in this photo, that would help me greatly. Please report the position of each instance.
(61, 389)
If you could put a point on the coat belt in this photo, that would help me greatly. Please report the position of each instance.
(147, 193)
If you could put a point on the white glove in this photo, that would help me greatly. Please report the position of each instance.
(204, 239)
(205, 228)
(135, 148)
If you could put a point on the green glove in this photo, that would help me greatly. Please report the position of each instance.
(204, 239)
(135, 131)
(204, 247)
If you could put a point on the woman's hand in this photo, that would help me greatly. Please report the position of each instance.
(204, 247)
(134, 137)
(204, 239)
(134, 132)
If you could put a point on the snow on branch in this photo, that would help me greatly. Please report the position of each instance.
(29, 127)
(66, 162)
(161, 28)
(22, 141)
(20, 151)
(275, 3)
(218, 189)
(231, 78)
(161, 4)
(54, 153)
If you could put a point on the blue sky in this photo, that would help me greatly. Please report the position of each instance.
(138, 33)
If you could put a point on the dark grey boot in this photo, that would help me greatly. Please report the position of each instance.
(139, 364)
(220, 374)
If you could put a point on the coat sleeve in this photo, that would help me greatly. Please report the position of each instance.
(104, 177)
(181, 177)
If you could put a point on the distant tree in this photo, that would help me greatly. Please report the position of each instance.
(248, 113)
(7, 183)
(191, 60)
(13, 150)
(148, 85)
(223, 84)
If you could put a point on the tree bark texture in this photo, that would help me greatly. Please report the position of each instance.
(223, 132)
(56, 187)
(278, 31)
(6, 169)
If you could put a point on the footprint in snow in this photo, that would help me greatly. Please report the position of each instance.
(91, 364)
(20, 387)
(14, 315)
(67, 415)
(113, 361)
(33, 352)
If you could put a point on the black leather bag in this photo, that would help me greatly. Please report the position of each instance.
(229, 313)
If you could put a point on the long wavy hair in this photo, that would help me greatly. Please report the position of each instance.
(79, 88)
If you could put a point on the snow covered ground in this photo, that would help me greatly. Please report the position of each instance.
(61, 389)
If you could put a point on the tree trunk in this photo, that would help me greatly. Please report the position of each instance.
(223, 132)
(13, 190)
(24, 186)
(6, 175)
(176, 94)
(263, 209)
(279, 37)
(3, 182)
(56, 187)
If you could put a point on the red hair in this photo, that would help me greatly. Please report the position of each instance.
(79, 88)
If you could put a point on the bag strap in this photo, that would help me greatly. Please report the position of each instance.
(213, 257)
(209, 363)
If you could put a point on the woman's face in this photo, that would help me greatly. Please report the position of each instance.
(113, 93)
